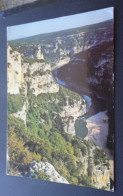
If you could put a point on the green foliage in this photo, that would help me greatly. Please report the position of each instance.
(85, 180)
(41, 175)
(81, 145)
(15, 103)
(44, 139)
(20, 155)
(100, 157)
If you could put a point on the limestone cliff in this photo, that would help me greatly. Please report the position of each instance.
(97, 169)
(15, 72)
(49, 170)
(39, 54)
(39, 78)
(70, 113)
(38, 75)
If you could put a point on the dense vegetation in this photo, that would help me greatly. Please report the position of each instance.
(61, 150)
(15, 103)
(44, 139)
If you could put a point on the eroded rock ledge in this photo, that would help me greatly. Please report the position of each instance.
(49, 170)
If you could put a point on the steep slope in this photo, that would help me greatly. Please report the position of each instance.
(15, 72)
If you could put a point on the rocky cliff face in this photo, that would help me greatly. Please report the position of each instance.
(42, 84)
(15, 72)
(37, 75)
(49, 170)
(70, 114)
(39, 54)
(98, 169)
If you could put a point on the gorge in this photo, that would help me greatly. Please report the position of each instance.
(57, 88)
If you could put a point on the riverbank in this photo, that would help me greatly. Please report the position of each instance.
(98, 132)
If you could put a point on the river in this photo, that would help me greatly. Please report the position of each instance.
(80, 124)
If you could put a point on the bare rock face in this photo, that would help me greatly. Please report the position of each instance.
(35, 67)
(70, 114)
(49, 170)
(43, 84)
(61, 62)
(39, 54)
(39, 75)
(39, 78)
(100, 177)
(96, 168)
(15, 73)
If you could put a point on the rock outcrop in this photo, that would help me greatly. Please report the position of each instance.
(100, 177)
(35, 67)
(39, 54)
(15, 72)
(38, 75)
(43, 84)
(70, 114)
(49, 170)
(96, 168)
(39, 78)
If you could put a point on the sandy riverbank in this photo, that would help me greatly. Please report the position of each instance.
(97, 132)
